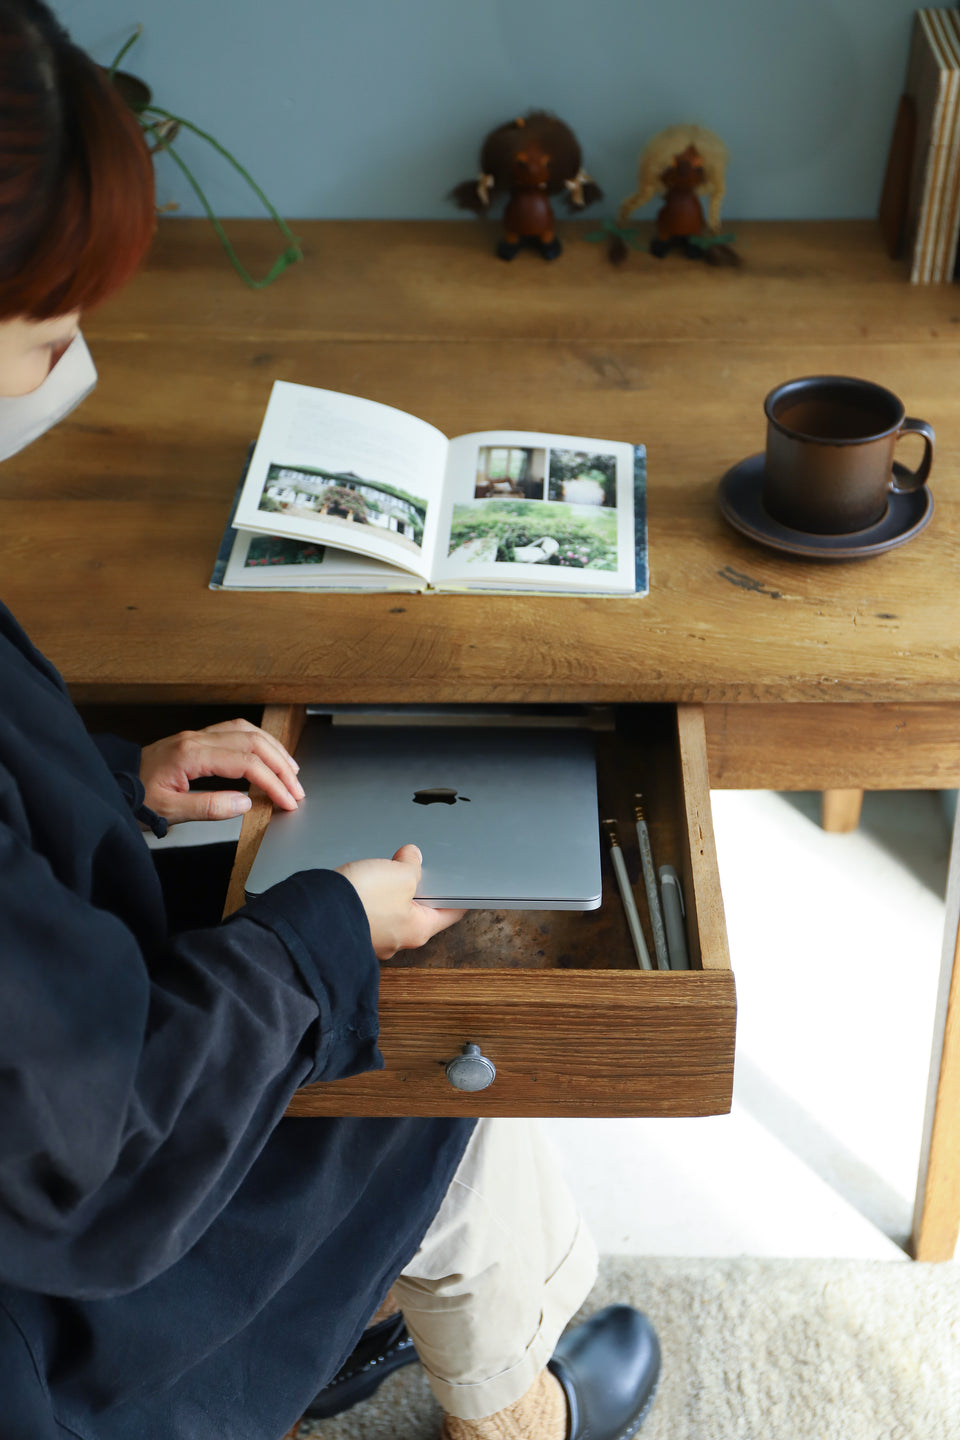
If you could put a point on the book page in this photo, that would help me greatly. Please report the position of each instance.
(523, 510)
(347, 472)
(272, 562)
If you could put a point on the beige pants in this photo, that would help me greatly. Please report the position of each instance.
(505, 1264)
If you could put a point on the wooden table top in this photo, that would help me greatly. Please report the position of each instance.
(111, 523)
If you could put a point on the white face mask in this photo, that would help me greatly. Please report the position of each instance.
(25, 417)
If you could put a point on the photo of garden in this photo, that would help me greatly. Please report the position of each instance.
(347, 499)
(510, 472)
(534, 532)
(583, 479)
(277, 550)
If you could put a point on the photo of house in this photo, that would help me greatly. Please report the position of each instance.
(345, 498)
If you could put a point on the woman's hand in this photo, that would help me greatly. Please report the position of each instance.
(386, 889)
(235, 750)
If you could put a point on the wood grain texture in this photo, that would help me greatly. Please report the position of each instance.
(823, 747)
(284, 723)
(700, 868)
(126, 500)
(936, 1218)
(937, 1215)
(603, 1043)
(378, 280)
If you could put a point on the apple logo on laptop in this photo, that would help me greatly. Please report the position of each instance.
(439, 795)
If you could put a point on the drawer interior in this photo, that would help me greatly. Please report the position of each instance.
(639, 754)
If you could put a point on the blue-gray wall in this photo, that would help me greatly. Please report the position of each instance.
(357, 108)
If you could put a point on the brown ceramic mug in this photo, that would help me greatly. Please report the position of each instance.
(829, 460)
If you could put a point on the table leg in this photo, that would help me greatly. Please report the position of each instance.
(840, 810)
(936, 1217)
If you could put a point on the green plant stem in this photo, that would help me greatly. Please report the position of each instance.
(704, 242)
(123, 50)
(289, 257)
(195, 129)
(627, 234)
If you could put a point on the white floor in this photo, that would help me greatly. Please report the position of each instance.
(835, 942)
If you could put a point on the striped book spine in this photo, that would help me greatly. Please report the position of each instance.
(933, 211)
(951, 212)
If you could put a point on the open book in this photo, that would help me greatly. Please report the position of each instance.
(347, 494)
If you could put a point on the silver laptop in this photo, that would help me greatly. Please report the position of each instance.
(505, 819)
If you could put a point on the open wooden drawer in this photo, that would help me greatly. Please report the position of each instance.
(556, 999)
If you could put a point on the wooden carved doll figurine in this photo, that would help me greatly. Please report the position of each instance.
(681, 164)
(532, 158)
(680, 216)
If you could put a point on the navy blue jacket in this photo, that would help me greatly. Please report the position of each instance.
(177, 1261)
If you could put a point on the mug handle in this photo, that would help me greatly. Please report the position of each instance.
(905, 480)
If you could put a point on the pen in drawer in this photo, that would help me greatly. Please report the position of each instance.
(673, 912)
(650, 882)
(626, 894)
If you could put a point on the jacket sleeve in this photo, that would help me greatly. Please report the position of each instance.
(122, 758)
(136, 1094)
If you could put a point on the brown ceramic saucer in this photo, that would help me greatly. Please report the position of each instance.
(906, 515)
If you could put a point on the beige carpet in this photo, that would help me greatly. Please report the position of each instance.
(760, 1350)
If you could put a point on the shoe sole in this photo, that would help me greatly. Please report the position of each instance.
(634, 1425)
(372, 1373)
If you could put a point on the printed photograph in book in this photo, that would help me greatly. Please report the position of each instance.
(275, 550)
(580, 478)
(534, 532)
(302, 492)
(510, 472)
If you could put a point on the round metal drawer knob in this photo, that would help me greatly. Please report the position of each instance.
(471, 1070)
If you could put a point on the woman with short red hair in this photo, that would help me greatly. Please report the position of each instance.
(76, 181)
(177, 1260)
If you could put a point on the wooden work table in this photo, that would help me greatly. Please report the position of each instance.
(810, 675)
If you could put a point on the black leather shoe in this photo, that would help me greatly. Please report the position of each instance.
(380, 1350)
(609, 1367)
